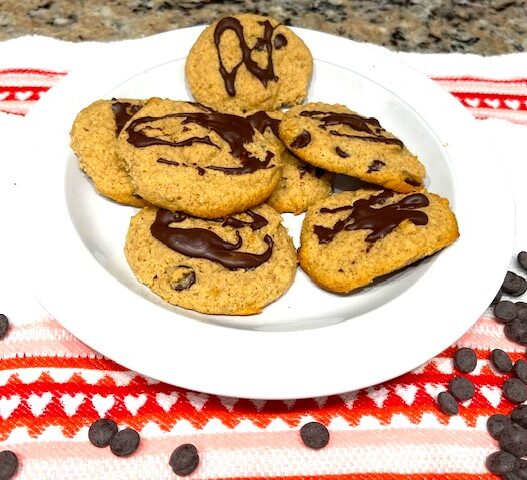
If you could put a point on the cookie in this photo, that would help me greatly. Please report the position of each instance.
(234, 265)
(93, 139)
(187, 157)
(248, 62)
(351, 238)
(339, 140)
(301, 184)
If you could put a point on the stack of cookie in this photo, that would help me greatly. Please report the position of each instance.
(213, 177)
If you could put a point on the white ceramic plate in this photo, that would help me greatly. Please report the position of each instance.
(309, 342)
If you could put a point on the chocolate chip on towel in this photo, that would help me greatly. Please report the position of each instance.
(520, 370)
(522, 260)
(500, 462)
(101, 432)
(516, 330)
(125, 442)
(447, 403)
(519, 415)
(8, 464)
(522, 310)
(465, 360)
(514, 440)
(461, 389)
(515, 390)
(506, 311)
(497, 423)
(4, 325)
(514, 285)
(520, 469)
(500, 360)
(184, 459)
(314, 435)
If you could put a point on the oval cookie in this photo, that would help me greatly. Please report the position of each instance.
(234, 265)
(248, 62)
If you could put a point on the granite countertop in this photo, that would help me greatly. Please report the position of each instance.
(484, 27)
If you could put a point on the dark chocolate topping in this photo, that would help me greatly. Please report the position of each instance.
(261, 120)
(263, 74)
(280, 41)
(381, 221)
(341, 153)
(123, 111)
(203, 243)
(370, 126)
(375, 166)
(233, 129)
(302, 140)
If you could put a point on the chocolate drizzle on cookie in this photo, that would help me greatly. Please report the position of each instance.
(264, 75)
(375, 166)
(370, 126)
(261, 120)
(203, 243)
(412, 182)
(341, 153)
(233, 129)
(122, 112)
(381, 220)
(301, 140)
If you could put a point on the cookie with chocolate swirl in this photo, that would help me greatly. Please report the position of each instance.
(93, 139)
(351, 238)
(187, 157)
(337, 139)
(233, 265)
(248, 62)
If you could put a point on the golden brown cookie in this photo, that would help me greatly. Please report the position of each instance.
(234, 265)
(93, 139)
(301, 184)
(339, 140)
(185, 156)
(248, 62)
(351, 238)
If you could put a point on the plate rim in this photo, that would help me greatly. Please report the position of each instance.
(280, 387)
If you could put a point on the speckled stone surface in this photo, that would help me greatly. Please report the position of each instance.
(474, 26)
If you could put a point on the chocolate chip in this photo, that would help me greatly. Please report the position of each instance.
(8, 464)
(519, 415)
(302, 140)
(500, 462)
(520, 469)
(184, 459)
(514, 440)
(506, 311)
(4, 325)
(461, 389)
(314, 435)
(447, 403)
(497, 423)
(516, 330)
(522, 260)
(500, 360)
(520, 370)
(125, 442)
(465, 360)
(514, 285)
(101, 432)
(522, 310)
(182, 278)
(341, 153)
(497, 298)
(515, 390)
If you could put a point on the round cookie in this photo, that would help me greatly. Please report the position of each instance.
(234, 265)
(188, 157)
(339, 140)
(248, 62)
(301, 184)
(93, 139)
(351, 238)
